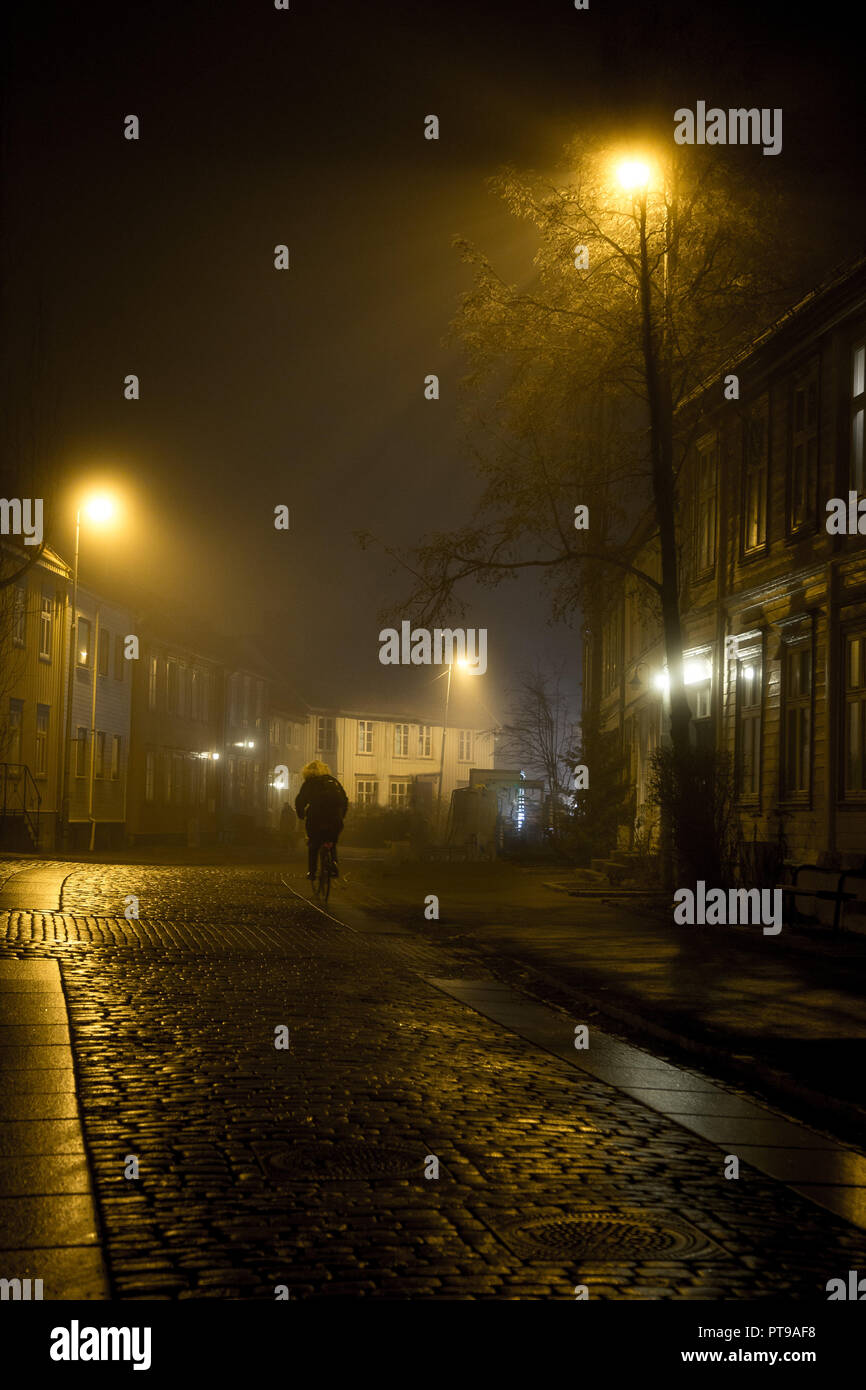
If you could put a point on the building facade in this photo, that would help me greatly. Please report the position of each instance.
(773, 589)
(100, 730)
(32, 700)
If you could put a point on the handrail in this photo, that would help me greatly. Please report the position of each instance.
(28, 813)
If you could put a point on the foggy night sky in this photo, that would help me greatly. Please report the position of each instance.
(306, 387)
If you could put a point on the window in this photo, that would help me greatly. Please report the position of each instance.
(119, 658)
(16, 720)
(167, 776)
(755, 479)
(19, 615)
(182, 689)
(102, 654)
(464, 746)
(152, 678)
(365, 735)
(81, 751)
(804, 450)
(796, 720)
(205, 695)
(171, 684)
(42, 716)
(425, 740)
(324, 734)
(194, 693)
(115, 757)
(367, 793)
(46, 625)
(177, 788)
(99, 758)
(83, 655)
(858, 404)
(202, 781)
(399, 796)
(700, 697)
(401, 740)
(705, 507)
(749, 690)
(611, 645)
(855, 713)
(275, 731)
(149, 775)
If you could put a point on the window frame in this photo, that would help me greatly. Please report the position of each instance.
(756, 413)
(708, 446)
(46, 627)
(796, 796)
(751, 657)
(852, 795)
(857, 411)
(800, 382)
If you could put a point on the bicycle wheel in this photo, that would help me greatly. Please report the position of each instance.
(323, 886)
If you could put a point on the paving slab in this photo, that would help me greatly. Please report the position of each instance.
(67, 1273)
(44, 1174)
(49, 1219)
(776, 1145)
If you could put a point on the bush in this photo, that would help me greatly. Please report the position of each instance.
(700, 826)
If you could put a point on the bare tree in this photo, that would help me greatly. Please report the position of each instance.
(540, 732)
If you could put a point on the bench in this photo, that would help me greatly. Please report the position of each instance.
(828, 885)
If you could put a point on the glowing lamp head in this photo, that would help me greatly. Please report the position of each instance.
(662, 682)
(633, 174)
(99, 509)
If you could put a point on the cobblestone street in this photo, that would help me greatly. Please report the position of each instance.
(306, 1166)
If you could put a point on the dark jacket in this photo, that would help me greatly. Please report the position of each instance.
(322, 802)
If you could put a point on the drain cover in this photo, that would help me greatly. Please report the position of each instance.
(607, 1236)
(347, 1163)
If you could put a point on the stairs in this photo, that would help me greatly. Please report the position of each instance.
(626, 868)
(20, 802)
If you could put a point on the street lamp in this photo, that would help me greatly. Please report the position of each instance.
(98, 509)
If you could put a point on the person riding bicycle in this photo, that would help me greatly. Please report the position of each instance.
(322, 804)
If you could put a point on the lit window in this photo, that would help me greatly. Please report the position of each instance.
(83, 656)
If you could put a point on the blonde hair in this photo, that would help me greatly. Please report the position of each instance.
(315, 769)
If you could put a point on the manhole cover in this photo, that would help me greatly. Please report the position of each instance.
(599, 1236)
(348, 1163)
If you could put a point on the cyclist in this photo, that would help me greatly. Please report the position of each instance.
(322, 803)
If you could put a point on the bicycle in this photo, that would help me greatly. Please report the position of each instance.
(327, 871)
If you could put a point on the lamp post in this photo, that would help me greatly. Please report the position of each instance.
(97, 509)
(442, 752)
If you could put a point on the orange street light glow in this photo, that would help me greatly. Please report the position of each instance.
(99, 508)
(633, 173)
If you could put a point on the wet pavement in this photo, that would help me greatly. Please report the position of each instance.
(426, 1133)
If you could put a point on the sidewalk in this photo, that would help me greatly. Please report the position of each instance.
(783, 1016)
